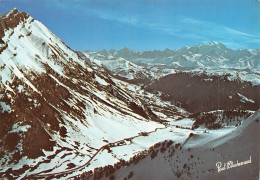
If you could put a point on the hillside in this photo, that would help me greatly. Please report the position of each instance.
(55, 107)
(200, 92)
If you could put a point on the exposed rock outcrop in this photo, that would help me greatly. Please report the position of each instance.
(10, 20)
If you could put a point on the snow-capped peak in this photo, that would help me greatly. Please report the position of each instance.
(10, 20)
(53, 104)
(213, 45)
(14, 10)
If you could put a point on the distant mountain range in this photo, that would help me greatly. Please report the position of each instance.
(211, 54)
(211, 57)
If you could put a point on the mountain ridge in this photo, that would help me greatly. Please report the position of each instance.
(10, 20)
(209, 43)
(206, 57)
(54, 107)
(211, 54)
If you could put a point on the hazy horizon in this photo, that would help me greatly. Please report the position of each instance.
(117, 49)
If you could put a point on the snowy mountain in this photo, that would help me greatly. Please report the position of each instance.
(122, 69)
(211, 54)
(63, 117)
(212, 57)
(214, 54)
(55, 107)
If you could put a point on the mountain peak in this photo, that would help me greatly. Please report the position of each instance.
(112, 51)
(103, 52)
(11, 19)
(166, 50)
(125, 49)
(11, 13)
(210, 47)
(214, 44)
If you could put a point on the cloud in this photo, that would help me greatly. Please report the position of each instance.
(178, 26)
(184, 28)
(132, 20)
(218, 32)
(159, 21)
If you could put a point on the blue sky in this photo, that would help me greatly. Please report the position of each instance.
(146, 24)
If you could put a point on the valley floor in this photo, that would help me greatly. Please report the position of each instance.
(198, 156)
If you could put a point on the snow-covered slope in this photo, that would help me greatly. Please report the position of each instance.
(121, 68)
(198, 156)
(56, 112)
